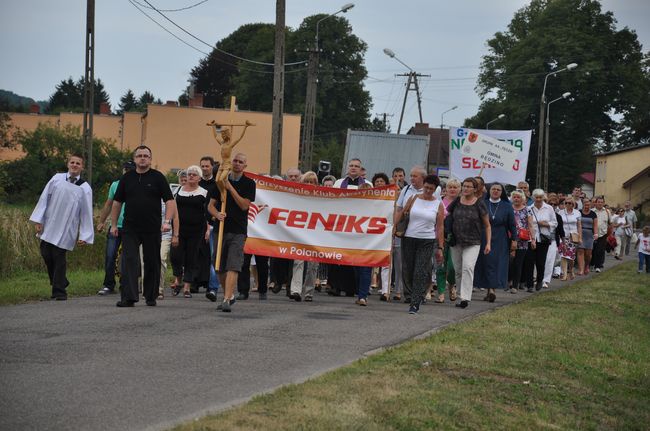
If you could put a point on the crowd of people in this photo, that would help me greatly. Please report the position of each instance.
(450, 239)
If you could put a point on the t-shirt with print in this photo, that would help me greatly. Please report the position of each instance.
(468, 222)
(142, 194)
(644, 243)
(111, 196)
(236, 219)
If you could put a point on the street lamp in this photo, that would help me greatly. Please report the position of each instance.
(542, 111)
(412, 78)
(487, 126)
(442, 123)
(546, 134)
(310, 98)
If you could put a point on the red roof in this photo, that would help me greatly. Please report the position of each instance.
(588, 177)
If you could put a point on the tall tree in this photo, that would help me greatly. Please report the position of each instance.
(69, 96)
(128, 103)
(547, 35)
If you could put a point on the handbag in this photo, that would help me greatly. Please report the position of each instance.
(574, 237)
(403, 223)
(544, 239)
(524, 234)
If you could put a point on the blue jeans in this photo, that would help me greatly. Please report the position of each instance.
(362, 276)
(112, 246)
(213, 284)
(644, 258)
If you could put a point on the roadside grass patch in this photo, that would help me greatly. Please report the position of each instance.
(575, 358)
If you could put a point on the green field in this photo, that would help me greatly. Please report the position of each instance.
(575, 358)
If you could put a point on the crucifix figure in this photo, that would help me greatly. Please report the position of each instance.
(223, 136)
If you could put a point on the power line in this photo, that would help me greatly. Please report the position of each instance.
(261, 63)
(173, 10)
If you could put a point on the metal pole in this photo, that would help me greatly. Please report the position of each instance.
(278, 89)
(89, 88)
(401, 115)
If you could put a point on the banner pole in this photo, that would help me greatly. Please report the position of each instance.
(217, 261)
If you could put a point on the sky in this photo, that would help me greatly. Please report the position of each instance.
(43, 42)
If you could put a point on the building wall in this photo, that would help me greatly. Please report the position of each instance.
(107, 127)
(179, 137)
(25, 122)
(131, 130)
(612, 170)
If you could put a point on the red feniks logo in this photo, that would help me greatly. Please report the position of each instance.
(254, 210)
(328, 222)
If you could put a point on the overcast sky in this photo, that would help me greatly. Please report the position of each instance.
(42, 42)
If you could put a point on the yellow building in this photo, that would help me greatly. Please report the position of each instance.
(178, 136)
(624, 175)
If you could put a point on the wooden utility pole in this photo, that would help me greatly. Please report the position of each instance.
(307, 143)
(278, 89)
(89, 88)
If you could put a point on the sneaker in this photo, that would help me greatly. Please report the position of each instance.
(225, 307)
(513, 290)
(309, 298)
(362, 302)
(296, 297)
(462, 304)
(545, 286)
(242, 297)
(413, 309)
(598, 270)
(105, 291)
(383, 297)
(124, 304)
(211, 295)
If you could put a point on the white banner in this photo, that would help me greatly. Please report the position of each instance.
(322, 224)
(462, 165)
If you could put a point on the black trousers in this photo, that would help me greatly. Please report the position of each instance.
(516, 268)
(535, 259)
(598, 258)
(281, 270)
(55, 261)
(244, 280)
(131, 242)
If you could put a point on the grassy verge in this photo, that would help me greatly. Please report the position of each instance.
(570, 359)
(35, 286)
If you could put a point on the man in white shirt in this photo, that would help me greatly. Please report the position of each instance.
(63, 217)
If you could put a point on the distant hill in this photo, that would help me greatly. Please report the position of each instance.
(12, 102)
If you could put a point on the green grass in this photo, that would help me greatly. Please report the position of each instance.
(35, 286)
(576, 358)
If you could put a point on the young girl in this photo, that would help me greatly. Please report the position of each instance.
(644, 249)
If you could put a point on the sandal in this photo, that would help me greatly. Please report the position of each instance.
(176, 290)
(187, 294)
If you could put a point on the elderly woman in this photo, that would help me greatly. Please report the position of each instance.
(423, 238)
(545, 223)
(619, 224)
(380, 180)
(492, 269)
(589, 224)
(445, 273)
(191, 230)
(175, 255)
(303, 281)
(467, 219)
(525, 233)
(572, 233)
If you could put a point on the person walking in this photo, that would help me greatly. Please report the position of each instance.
(423, 238)
(545, 224)
(380, 179)
(619, 224)
(525, 236)
(62, 218)
(589, 224)
(604, 230)
(491, 270)
(643, 244)
(141, 191)
(632, 220)
(191, 231)
(572, 237)
(467, 219)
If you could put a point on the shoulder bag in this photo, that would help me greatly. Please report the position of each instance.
(403, 223)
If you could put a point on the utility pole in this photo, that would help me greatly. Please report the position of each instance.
(89, 87)
(411, 85)
(306, 145)
(278, 89)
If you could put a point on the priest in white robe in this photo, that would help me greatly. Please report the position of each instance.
(63, 217)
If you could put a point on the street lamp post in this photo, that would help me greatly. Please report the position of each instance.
(487, 126)
(542, 111)
(310, 99)
(442, 123)
(546, 135)
(412, 79)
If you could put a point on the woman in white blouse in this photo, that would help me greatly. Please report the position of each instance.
(619, 223)
(572, 237)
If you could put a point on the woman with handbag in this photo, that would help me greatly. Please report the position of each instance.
(491, 270)
(423, 239)
(445, 273)
(572, 232)
(589, 225)
(467, 219)
(526, 233)
(545, 224)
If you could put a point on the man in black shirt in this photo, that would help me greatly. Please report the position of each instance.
(240, 193)
(142, 190)
(207, 182)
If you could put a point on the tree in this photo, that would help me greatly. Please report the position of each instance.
(547, 35)
(342, 101)
(128, 103)
(69, 96)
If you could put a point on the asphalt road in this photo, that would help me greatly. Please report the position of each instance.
(85, 364)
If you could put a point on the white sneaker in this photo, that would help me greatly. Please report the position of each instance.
(545, 286)
(597, 269)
